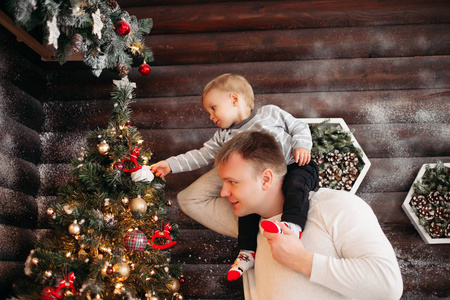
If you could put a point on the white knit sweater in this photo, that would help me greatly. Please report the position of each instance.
(289, 132)
(353, 258)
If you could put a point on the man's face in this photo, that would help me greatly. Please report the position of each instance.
(241, 186)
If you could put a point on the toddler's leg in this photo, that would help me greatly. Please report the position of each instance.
(201, 202)
(298, 182)
(248, 232)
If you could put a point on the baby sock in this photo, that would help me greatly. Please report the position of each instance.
(271, 226)
(244, 261)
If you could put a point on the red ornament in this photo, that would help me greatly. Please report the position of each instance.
(50, 293)
(67, 282)
(135, 241)
(133, 158)
(122, 28)
(182, 280)
(144, 69)
(163, 234)
(119, 166)
(109, 270)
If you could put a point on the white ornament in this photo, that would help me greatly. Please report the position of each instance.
(53, 33)
(98, 24)
(143, 174)
(124, 82)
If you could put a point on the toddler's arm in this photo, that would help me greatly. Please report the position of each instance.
(302, 156)
(161, 168)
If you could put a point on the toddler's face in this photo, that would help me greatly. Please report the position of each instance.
(221, 109)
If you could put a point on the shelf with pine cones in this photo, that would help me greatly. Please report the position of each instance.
(341, 160)
(428, 203)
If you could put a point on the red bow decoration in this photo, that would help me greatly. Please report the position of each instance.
(133, 158)
(163, 234)
(67, 282)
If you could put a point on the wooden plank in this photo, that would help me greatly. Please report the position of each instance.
(18, 175)
(10, 272)
(361, 107)
(256, 15)
(301, 44)
(16, 243)
(20, 106)
(17, 209)
(19, 141)
(272, 77)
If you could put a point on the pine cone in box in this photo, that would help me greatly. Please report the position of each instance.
(319, 159)
(335, 157)
(350, 159)
(427, 213)
(334, 173)
(418, 201)
(447, 230)
(442, 213)
(435, 198)
(435, 230)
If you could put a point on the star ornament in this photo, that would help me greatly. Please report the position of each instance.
(124, 82)
(53, 33)
(98, 24)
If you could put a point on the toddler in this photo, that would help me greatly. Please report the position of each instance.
(229, 100)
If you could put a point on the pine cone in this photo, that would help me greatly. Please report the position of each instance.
(77, 43)
(323, 182)
(123, 68)
(112, 4)
(418, 201)
(350, 159)
(435, 198)
(443, 213)
(319, 159)
(435, 230)
(447, 230)
(334, 173)
(335, 157)
(352, 172)
(427, 212)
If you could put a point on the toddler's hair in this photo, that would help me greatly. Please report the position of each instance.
(232, 83)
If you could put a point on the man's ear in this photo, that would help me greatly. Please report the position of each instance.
(234, 98)
(266, 179)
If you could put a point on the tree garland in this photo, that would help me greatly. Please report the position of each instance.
(106, 36)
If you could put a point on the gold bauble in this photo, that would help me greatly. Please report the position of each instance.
(138, 205)
(121, 271)
(74, 228)
(50, 212)
(173, 285)
(103, 148)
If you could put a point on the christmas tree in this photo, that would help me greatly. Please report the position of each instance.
(110, 240)
(106, 36)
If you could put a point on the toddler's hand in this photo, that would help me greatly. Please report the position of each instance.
(302, 156)
(161, 168)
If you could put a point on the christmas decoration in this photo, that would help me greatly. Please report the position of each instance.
(138, 205)
(164, 234)
(121, 271)
(173, 285)
(428, 203)
(103, 148)
(133, 158)
(144, 69)
(119, 166)
(99, 30)
(135, 241)
(341, 161)
(143, 174)
(122, 28)
(91, 219)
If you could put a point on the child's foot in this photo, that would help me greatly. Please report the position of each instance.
(244, 261)
(273, 227)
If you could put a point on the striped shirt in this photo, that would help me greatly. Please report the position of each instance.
(289, 132)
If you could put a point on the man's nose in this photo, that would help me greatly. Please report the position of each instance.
(225, 192)
(211, 117)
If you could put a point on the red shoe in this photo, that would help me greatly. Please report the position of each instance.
(273, 227)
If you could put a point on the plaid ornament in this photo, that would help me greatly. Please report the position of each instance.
(135, 241)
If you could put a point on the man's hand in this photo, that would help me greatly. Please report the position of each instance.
(288, 250)
(161, 168)
(302, 156)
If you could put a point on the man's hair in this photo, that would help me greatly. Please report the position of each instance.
(232, 83)
(260, 148)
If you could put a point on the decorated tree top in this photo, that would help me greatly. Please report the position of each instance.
(106, 36)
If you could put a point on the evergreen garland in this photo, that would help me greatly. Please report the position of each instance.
(87, 27)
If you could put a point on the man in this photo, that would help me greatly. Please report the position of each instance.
(342, 254)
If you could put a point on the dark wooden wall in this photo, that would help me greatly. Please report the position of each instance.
(22, 82)
(383, 66)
